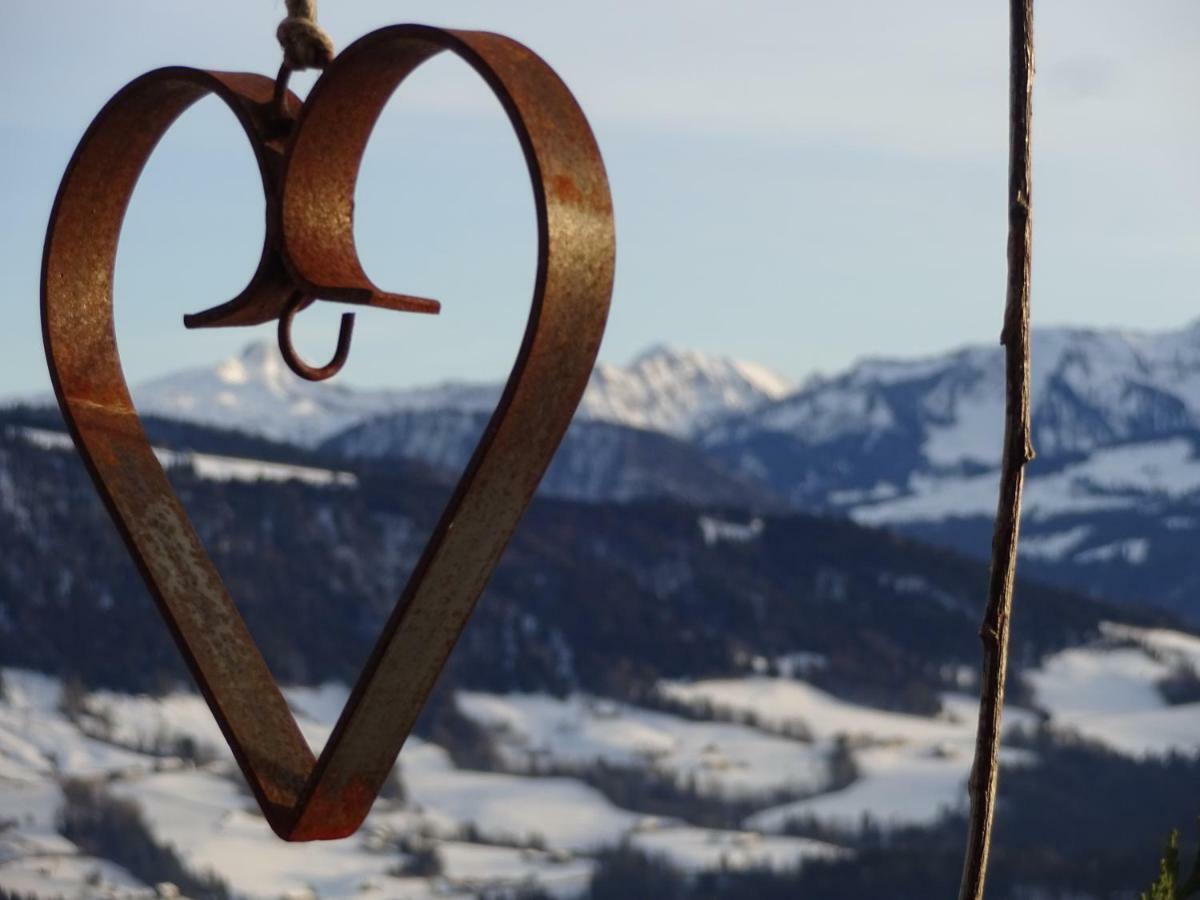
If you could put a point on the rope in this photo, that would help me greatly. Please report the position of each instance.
(305, 43)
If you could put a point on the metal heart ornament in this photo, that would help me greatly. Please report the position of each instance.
(309, 156)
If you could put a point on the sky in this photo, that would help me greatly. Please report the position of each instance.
(796, 183)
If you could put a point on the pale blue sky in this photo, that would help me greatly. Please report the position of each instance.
(796, 183)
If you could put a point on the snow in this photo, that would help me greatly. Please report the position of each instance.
(704, 849)
(43, 438)
(508, 829)
(1053, 546)
(894, 788)
(211, 467)
(911, 768)
(1111, 478)
(1133, 551)
(716, 531)
(882, 490)
(663, 389)
(1141, 734)
(1110, 694)
(216, 827)
(68, 875)
(678, 391)
(974, 436)
(32, 804)
(38, 746)
(799, 663)
(472, 866)
(1173, 646)
(151, 724)
(256, 392)
(829, 413)
(1098, 680)
(317, 710)
(781, 703)
(54, 746)
(1088, 387)
(1121, 398)
(557, 812)
(714, 758)
(228, 468)
(212, 822)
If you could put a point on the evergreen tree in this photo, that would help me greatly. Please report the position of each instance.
(1167, 886)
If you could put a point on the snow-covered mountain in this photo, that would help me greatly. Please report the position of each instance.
(866, 433)
(1113, 499)
(678, 391)
(256, 392)
(675, 392)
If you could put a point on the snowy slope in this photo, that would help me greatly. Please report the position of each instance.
(714, 758)
(1111, 694)
(212, 467)
(489, 829)
(666, 390)
(911, 769)
(758, 740)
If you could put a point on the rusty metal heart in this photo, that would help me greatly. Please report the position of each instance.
(309, 173)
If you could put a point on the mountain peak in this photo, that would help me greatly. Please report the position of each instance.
(668, 356)
(259, 361)
(259, 352)
(657, 351)
(678, 391)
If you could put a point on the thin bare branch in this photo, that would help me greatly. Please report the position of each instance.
(1018, 450)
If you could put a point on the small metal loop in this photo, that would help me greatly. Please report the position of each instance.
(279, 96)
(292, 358)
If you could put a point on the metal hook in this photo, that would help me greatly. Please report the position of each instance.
(292, 358)
(279, 96)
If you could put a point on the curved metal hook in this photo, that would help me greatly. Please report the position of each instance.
(292, 358)
(279, 99)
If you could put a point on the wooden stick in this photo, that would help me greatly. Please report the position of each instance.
(1018, 450)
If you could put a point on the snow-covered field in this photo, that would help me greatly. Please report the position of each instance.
(490, 829)
(1110, 695)
(209, 466)
(699, 849)
(534, 732)
(911, 769)
(539, 821)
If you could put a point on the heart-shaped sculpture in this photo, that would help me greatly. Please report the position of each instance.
(310, 166)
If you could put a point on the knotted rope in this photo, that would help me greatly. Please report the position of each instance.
(305, 43)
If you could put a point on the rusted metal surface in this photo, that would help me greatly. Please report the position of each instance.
(309, 170)
(277, 291)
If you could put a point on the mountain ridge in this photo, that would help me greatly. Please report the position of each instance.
(1112, 501)
(662, 389)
